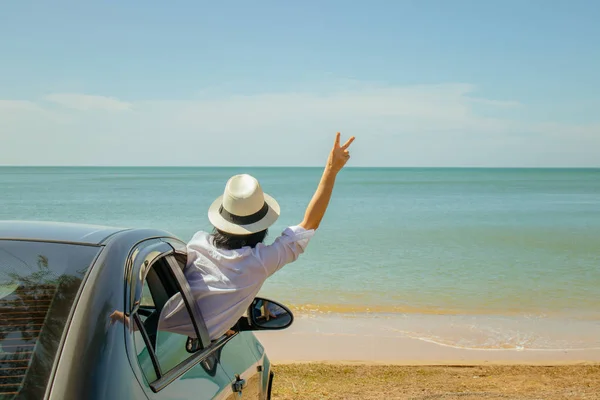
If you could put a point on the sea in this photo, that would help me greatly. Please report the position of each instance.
(476, 258)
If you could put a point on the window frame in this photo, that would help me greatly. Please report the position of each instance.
(142, 258)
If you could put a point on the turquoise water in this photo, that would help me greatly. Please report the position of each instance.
(474, 241)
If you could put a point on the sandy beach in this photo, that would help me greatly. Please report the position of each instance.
(370, 382)
(353, 357)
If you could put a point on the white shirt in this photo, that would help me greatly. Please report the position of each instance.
(225, 282)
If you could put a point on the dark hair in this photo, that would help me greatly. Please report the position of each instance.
(228, 241)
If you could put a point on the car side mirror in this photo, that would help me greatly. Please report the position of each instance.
(265, 314)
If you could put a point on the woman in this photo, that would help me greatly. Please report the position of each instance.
(227, 268)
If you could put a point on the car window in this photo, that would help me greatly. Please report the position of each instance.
(169, 347)
(143, 356)
(147, 301)
(38, 285)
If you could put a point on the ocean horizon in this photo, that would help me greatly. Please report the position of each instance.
(349, 167)
(487, 243)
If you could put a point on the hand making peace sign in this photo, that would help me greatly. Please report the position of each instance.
(339, 155)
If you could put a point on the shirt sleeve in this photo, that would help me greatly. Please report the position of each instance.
(175, 318)
(285, 249)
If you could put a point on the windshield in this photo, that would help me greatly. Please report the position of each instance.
(38, 284)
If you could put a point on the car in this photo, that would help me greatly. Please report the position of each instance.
(61, 285)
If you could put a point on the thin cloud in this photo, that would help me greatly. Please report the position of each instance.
(19, 106)
(396, 125)
(84, 102)
(14, 113)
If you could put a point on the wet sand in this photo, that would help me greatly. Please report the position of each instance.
(344, 339)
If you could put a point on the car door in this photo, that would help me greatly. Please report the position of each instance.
(162, 361)
(241, 364)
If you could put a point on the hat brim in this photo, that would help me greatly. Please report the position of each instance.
(222, 224)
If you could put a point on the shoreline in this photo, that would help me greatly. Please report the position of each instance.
(347, 309)
(396, 340)
(336, 351)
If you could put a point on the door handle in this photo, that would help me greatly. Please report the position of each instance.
(239, 384)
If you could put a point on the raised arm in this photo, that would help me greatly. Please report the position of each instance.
(338, 157)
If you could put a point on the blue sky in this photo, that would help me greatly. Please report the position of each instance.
(420, 83)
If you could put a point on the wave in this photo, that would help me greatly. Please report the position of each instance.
(462, 331)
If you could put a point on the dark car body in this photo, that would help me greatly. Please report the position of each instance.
(76, 349)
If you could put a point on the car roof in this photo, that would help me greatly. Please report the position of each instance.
(56, 232)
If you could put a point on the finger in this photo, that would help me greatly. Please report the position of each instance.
(337, 140)
(346, 153)
(348, 143)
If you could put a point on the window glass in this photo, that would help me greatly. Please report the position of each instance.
(38, 285)
(143, 356)
(171, 348)
(147, 300)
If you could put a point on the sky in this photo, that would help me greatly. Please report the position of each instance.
(193, 83)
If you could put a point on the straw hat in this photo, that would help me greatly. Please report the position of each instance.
(243, 208)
